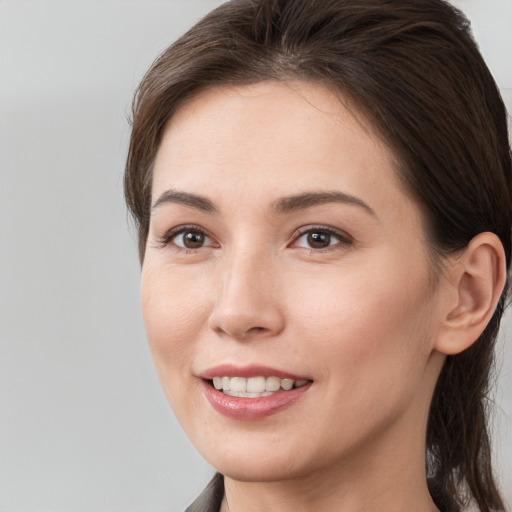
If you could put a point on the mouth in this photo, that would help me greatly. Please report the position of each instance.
(252, 392)
(255, 387)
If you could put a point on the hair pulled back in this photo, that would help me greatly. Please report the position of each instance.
(413, 70)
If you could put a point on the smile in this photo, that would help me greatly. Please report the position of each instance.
(255, 387)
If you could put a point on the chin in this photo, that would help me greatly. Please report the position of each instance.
(259, 471)
(254, 463)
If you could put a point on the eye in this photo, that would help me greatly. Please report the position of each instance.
(320, 238)
(188, 238)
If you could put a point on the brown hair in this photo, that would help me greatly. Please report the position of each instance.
(413, 69)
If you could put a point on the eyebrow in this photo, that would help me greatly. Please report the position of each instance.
(310, 199)
(280, 206)
(178, 197)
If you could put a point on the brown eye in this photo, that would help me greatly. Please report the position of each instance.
(191, 239)
(318, 239)
(321, 238)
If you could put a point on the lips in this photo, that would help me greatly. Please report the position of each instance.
(252, 393)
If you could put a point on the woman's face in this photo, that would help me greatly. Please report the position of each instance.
(283, 252)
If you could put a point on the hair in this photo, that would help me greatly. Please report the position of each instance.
(412, 68)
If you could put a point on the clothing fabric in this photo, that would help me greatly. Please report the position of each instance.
(211, 498)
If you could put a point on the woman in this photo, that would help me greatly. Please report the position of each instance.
(322, 194)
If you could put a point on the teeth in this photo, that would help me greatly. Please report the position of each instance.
(287, 384)
(248, 395)
(225, 383)
(254, 387)
(272, 383)
(238, 384)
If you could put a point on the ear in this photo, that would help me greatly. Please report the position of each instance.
(477, 277)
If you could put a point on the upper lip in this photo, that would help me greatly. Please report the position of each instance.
(230, 370)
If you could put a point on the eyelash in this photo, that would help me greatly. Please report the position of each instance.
(168, 238)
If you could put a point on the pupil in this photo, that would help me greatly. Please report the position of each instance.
(319, 240)
(193, 239)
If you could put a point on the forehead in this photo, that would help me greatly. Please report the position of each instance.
(271, 137)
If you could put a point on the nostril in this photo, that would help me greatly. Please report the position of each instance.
(257, 329)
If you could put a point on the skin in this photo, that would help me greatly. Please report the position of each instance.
(361, 317)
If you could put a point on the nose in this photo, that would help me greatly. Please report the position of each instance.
(247, 304)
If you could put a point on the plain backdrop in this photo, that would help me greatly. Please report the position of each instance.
(84, 426)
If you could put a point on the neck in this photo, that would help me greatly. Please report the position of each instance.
(325, 494)
(387, 475)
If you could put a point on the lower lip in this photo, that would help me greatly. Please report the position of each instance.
(252, 408)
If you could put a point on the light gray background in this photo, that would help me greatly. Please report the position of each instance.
(83, 424)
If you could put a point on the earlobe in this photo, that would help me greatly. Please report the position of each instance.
(478, 275)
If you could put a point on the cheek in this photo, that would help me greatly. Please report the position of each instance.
(378, 319)
(367, 338)
(174, 312)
